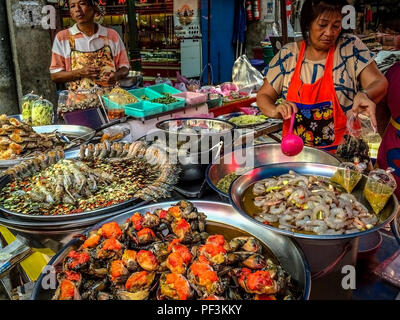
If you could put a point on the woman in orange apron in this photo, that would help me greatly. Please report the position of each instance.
(343, 64)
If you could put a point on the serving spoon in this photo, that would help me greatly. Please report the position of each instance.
(292, 144)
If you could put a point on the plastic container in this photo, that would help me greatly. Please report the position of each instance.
(213, 102)
(115, 106)
(42, 112)
(379, 188)
(174, 105)
(81, 100)
(62, 104)
(26, 108)
(268, 54)
(141, 93)
(164, 88)
(144, 109)
(192, 98)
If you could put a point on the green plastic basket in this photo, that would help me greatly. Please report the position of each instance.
(139, 93)
(174, 105)
(144, 109)
(268, 54)
(164, 88)
(214, 103)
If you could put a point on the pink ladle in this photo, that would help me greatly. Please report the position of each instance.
(291, 144)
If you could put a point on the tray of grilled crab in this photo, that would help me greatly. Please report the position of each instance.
(20, 141)
(174, 251)
(102, 178)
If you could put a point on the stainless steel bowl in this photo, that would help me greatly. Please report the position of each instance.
(285, 250)
(326, 254)
(240, 185)
(260, 155)
(201, 125)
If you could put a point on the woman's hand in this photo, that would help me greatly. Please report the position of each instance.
(109, 78)
(88, 72)
(362, 104)
(285, 110)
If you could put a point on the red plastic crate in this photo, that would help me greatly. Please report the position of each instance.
(232, 106)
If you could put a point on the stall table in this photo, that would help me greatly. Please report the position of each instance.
(368, 285)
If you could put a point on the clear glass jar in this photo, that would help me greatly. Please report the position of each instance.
(379, 188)
(115, 107)
(26, 108)
(63, 102)
(42, 112)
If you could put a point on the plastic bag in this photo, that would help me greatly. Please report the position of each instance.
(245, 76)
(26, 108)
(369, 135)
(42, 112)
(379, 188)
(181, 86)
(353, 148)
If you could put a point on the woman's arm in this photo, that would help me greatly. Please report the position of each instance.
(373, 82)
(374, 85)
(266, 98)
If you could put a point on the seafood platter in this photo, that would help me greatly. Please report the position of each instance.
(101, 179)
(300, 200)
(20, 141)
(178, 251)
(228, 167)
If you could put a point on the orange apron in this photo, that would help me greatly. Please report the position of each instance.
(320, 122)
(102, 59)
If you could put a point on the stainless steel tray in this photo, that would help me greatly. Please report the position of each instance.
(285, 250)
(239, 186)
(260, 155)
(71, 131)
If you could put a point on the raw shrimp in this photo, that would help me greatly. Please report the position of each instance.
(276, 210)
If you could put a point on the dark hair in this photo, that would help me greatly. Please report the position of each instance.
(312, 9)
(93, 4)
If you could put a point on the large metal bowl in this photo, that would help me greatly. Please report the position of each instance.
(223, 217)
(327, 255)
(260, 155)
(240, 185)
(73, 154)
(71, 131)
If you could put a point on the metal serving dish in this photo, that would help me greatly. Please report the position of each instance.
(260, 155)
(72, 154)
(71, 131)
(70, 217)
(171, 126)
(229, 116)
(56, 233)
(326, 254)
(221, 216)
(239, 186)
